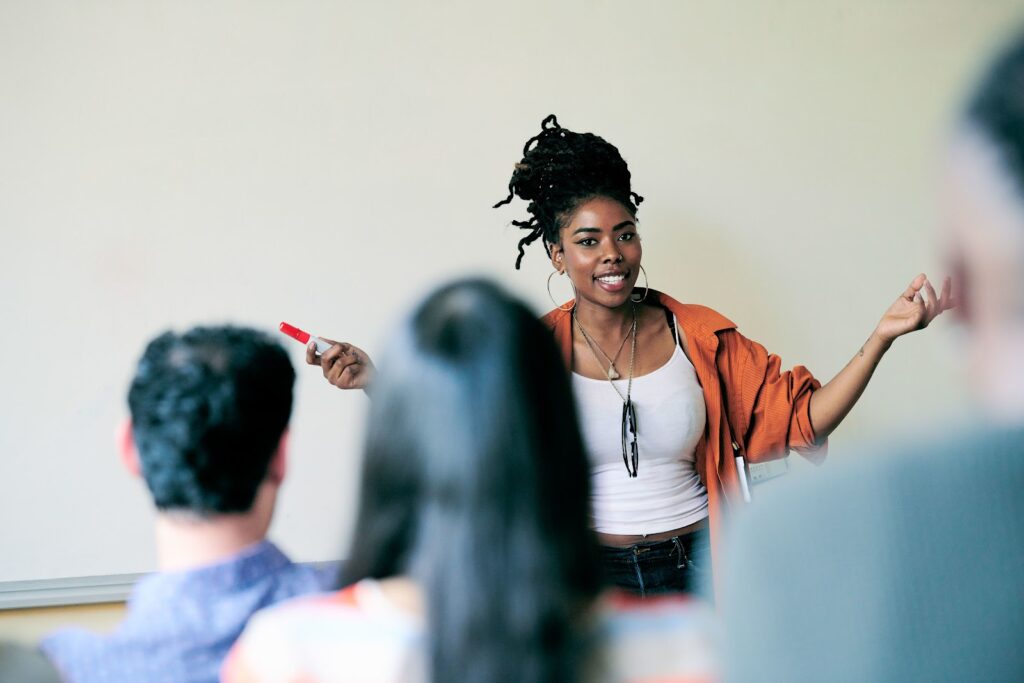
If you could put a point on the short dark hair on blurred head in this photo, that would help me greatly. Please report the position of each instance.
(208, 410)
(996, 108)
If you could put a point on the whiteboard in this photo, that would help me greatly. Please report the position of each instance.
(165, 164)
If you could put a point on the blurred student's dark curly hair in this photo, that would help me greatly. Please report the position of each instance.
(208, 410)
(559, 171)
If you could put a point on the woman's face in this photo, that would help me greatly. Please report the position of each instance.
(600, 252)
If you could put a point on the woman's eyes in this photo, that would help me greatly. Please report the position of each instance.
(590, 241)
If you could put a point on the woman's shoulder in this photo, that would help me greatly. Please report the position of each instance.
(667, 638)
(552, 318)
(695, 315)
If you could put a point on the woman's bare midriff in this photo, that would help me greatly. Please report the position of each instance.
(627, 540)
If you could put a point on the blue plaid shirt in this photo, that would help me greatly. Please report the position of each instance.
(180, 625)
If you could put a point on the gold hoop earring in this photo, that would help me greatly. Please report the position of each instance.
(633, 297)
(572, 305)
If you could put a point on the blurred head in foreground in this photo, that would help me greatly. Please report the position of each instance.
(209, 409)
(209, 413)
(984, 197)
(475, 483)
(906, 564)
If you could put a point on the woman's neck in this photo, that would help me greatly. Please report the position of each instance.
(603, 322)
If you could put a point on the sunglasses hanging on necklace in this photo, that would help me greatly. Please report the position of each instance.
(630, 450)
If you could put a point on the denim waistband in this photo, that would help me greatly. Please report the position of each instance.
(666, 547)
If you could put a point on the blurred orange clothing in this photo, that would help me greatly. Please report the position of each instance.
(753, 407)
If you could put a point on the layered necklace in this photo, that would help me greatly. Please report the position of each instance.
(630, 451)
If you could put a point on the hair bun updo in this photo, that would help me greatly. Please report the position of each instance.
(561, 169)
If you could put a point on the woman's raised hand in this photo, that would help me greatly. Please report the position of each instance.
(916, 307)
(344, 365)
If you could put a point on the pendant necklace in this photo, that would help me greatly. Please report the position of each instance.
(630, 450)
(611, 372)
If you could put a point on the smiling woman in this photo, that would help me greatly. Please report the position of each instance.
(693, 388)
(670, 391)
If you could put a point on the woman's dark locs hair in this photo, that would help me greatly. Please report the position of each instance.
(475, 482)
(208, 410)
(560, 170)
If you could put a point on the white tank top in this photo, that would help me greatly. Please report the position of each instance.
(667, 493)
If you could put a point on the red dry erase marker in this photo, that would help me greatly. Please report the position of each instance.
(304, 337)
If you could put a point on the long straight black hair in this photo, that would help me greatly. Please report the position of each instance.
(475, 482)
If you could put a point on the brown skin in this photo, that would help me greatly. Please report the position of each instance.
(913, 310)
(601, 238)
(344, 365)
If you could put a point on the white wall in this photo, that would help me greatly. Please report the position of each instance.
(167, 163)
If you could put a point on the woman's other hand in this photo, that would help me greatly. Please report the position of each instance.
(344, 365)
(914, 309)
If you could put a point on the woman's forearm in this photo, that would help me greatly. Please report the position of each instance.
(831, 403)
(912, 310)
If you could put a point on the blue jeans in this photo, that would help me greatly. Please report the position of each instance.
(681, 564)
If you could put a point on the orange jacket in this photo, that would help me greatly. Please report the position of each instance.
(753, 408)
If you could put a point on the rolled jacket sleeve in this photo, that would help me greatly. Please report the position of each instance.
(772, 404)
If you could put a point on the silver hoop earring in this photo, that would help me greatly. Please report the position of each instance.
(572, 305)
(647, 288)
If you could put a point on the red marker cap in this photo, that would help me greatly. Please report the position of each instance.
(294, 332)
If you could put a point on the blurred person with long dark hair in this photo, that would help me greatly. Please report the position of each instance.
(473, 558)
(908, 566)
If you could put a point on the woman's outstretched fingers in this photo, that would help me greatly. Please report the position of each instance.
(343, 365)
(332, 354)
(314, 358)
(914, 287)
(328, 358)
(344, 370)
(311, 357)
(946, 296)
(931, 301)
